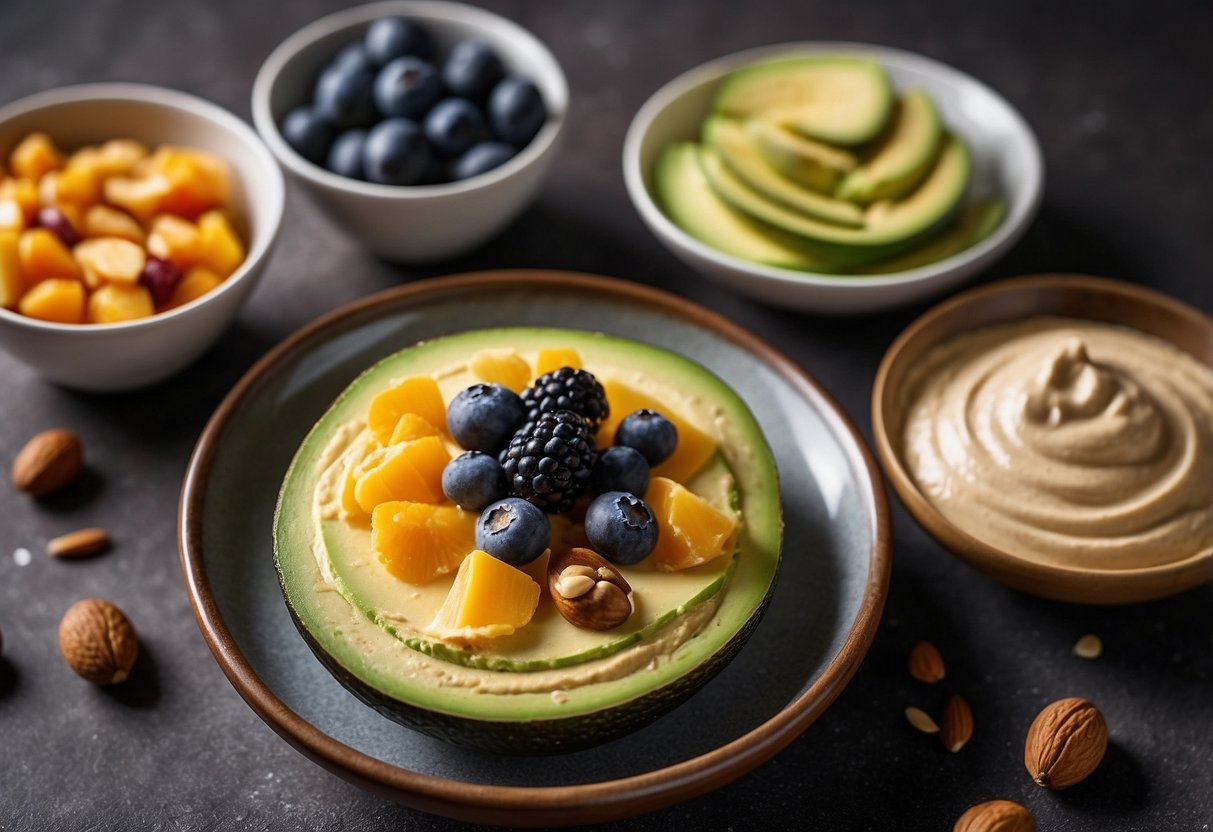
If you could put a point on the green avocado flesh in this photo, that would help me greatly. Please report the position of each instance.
(886, 223)
(743, 155)
(904, 157)
(810, 164)
(689, 201)
(973, 223)
(805, 161)
(837, 99)
(350, 608)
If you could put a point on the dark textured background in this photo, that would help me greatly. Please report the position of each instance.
(1119, 96)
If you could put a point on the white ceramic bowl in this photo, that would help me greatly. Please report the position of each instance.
(416, 223)
(1006, 163)
(122, 356)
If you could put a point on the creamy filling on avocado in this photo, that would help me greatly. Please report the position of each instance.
(549, 653)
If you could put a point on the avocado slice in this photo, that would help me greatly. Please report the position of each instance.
(974, 223)
(904, 156)
(888, 225)
(743, 156)
(836, 99)
(375, 664)
(811, 163)
(684, 194)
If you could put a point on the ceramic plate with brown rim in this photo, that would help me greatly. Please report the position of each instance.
(821, 619)
(1015, 300)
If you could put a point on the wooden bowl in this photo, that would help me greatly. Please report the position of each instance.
(1074, 296)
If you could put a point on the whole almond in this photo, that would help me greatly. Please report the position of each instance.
(996, 816)
(79, 544)
(98, 641)
(48, 462)
(955, 723)
(926, 663)
(588, 590)
(1065, 743)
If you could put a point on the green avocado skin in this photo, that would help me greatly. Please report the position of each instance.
(542, 736)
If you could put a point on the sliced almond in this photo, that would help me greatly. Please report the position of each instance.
(1088, 647)
(921, 720)
(79, 544)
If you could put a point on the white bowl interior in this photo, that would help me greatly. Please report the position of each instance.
(1006, 161)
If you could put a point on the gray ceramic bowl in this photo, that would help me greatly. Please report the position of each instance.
(417, 223)
(821, 618)
(1006, 163)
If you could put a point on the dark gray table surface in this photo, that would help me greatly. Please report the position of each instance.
(1119, 96)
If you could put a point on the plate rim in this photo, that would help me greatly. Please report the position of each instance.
(531, 805)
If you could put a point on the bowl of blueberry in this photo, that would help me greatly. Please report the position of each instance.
(423, 128)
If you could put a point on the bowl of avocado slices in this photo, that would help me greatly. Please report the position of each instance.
(838, 178)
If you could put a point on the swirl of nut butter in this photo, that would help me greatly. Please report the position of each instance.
(1068, 442)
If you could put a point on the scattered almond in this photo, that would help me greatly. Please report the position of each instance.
(955, 723)
(79, 544)
(926, 663)
(1088, 647)
(995, 816)
(1065, 743)
(48, 462)
(921, 720)
(98, 641)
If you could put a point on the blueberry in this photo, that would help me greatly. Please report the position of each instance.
(650, 433)
(620, 468)
(516, 110)
(481, 159)
(55, 220)
(473, 480)
(454, 125)
(396, 153)
(513, 530)
(407, 87)
(344, 97)
(484, 417)
(345, 157)
(308, 133)
(389, 38)
(352, 56)
(472, 69)
(621, 527)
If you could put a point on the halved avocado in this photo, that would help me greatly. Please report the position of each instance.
(425, 689)
(837, 99)
(684, 194)
(744, 157)
(973, 223)
(904, 156)
(806, 161)
(888, 225)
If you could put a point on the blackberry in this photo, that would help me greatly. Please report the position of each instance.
(567, 389)
(549, 460)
